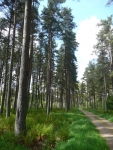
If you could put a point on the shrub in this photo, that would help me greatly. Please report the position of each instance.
(44, 130)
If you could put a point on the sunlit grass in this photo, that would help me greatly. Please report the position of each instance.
(83, 135)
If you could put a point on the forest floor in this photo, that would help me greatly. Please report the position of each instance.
(57, 131)
(104, 126)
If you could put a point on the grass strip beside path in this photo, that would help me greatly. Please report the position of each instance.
(83, 134)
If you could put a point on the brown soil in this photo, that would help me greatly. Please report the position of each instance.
(104, 126)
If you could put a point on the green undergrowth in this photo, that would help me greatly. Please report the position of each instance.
(57, 131)
(100, 112)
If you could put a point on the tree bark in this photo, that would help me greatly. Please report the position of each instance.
(32, 97)
(48, 80)
(30, 62)
(61, 98)
(106, 108)
(100, 101)
(22, 102)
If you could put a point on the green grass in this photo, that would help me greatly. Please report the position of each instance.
(9, 142)
(58, 131)
(100, 112)
(83, 135)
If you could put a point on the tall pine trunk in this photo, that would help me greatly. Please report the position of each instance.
(17, 87)
(22, 102)
(66, 83)
(48, 79)
(30, 62)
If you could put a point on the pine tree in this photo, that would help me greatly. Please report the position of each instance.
(22, 103)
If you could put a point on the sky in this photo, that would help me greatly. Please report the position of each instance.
(87, 13)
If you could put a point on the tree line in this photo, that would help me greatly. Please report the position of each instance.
(97, 81)
(35, 70)
(38, 66)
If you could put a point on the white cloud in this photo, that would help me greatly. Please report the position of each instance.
(86, 37)
(1, 14)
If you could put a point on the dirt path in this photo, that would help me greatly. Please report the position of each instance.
(104, 126)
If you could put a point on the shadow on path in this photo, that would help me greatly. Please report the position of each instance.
(104, 126)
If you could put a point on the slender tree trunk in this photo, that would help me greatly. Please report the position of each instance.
(73, 97)
(39, 85)
(17, 87)
(68, 94)
(90, 105)
(61, 99)
(106, 108)
(41, 96)
(94, 105)
(100, 101)
(32, 97)
(30, 63)
(22, 103)
(37, 104)
(78, 97)
(4, 91)
(61, 94)
(11, 65)
(16, 95)
(1, 70)
(111, 65)
(87, 103)
(56, 94)
(6, 68)
(66, 83)
(48, 79)
(51, 99)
